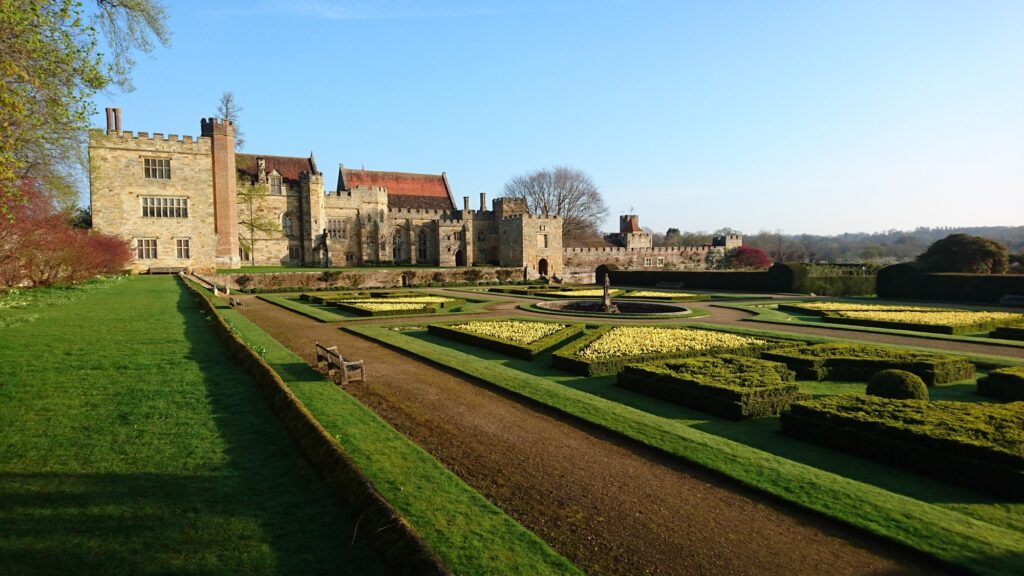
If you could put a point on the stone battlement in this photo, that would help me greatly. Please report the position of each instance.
(635, 251)
(530, 217)
(417, 212)
(127, 136)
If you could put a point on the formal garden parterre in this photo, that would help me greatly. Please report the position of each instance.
(907, 317)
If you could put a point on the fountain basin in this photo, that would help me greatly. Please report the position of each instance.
(627, 308)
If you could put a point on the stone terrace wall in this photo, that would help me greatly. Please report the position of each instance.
(372, 278)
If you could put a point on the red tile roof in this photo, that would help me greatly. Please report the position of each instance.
(631, 225)
(288, 167)
(405, 190)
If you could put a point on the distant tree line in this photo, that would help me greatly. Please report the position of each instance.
(876, 248)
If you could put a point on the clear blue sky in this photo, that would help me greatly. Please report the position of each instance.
(805, 117)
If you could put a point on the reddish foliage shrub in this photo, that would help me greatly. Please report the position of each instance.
(748, 257)
(38, 247)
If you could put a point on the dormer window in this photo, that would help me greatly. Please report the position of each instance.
(275, 185)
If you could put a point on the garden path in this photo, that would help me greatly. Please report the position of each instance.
(607, 504)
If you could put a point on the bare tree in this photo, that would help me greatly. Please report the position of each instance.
(228, 109)
(253, 226)
(130, 25)
(561, 191)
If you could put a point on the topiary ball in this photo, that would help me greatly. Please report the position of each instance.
(898, 384)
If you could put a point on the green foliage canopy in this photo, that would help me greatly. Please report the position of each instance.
(50, 67)
(965, 253)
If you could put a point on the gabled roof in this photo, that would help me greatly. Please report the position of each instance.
(288, 167)
(405, 190)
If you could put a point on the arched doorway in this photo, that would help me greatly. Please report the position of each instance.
(460, 258)
(602, 271)
(542, 267)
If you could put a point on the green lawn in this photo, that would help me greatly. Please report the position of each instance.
(271, 269)
(967, 528)
(130, 443)
(471, 535)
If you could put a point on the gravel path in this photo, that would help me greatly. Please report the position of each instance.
(606, 504)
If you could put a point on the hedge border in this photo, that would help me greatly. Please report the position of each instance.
(1008, 333)
(941, 371)
(721, 401)
(943, 458)
(1003, 384)
(524, 351)
(390, 534)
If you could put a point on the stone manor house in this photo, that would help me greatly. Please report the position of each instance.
(196, 204)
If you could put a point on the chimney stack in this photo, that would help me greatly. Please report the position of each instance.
(465, 203)
(110, 120)
(483, 201)
(117, 120)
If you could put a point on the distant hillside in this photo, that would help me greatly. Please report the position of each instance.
(879, 247)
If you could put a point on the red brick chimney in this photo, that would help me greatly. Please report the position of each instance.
(117, 120)
(225, 210)
(110, 120)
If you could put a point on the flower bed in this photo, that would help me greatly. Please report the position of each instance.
(733, 387)
(659, 295)
(522, 339)
(607, 350)
(917, 318)
(367, 308)
(841, 361)
(1004, 384)
(972, 443)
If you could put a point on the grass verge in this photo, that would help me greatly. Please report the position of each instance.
(329, 313)
(130, 442)
(959, 526)
(471, 535)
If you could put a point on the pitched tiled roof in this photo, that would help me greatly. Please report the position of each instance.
(405, 190)
(288, 167)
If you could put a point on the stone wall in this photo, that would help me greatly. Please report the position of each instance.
(370, 278)
(118, 183)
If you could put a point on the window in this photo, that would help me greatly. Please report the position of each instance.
(286, 224)
(158, 168)
(350, 257)
(243, 254)
(421, 246)
(647, 261)
(183, 248)
(337, 229)
(164, 207)
(661, 261)
(543, 227)
(275, 185)
(542, 240)
(294, 253)
(145, 248)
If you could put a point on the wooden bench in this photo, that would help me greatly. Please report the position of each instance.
(338, 369)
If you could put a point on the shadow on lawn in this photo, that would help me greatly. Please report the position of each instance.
(308, 530)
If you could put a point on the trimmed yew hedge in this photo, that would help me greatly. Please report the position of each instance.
(846, 361)
(733, 387)
(525, 351)
(1008, 333)
(566, 359)
(1004, 384)
(977, 444)
(932, 328)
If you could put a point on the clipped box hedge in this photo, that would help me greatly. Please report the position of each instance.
(567, 359)
(1004, 384)
(955, 329)
(972, 443)
(844, 361)
(1008, 333)
(425, 309)
(733, 387)
(525, 351)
